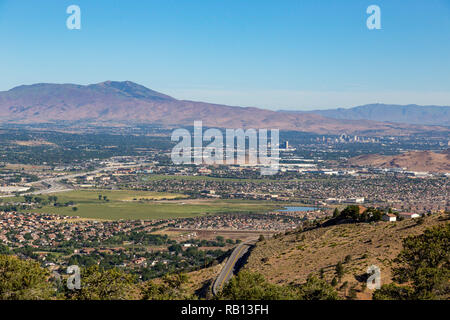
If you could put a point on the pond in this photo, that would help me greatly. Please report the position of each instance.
(294, 209)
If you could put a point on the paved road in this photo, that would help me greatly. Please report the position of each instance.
(55, 183)
(229, 269)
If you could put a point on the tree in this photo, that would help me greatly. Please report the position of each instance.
(171, 288)
(334, 282)
(4, 249)
(23, 280)
(317, 289)
(261, 238)
(74, 209)
(175, 248)
(376, 215)
(252, 286)
(393, 292)
(339, 270)
(424, 263)
(99, 284)
(425, 260)
(100, 197)
(351, 212)
(38, 200)
(336, 213)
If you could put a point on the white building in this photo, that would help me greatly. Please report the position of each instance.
(389, 217)
(409, 215)
(356, 200)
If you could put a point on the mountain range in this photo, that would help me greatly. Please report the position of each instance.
(130, 103)
(414, 114)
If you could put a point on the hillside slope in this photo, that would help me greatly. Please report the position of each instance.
(414, 161)
(289, 259)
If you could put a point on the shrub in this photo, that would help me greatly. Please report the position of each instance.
(23, 280)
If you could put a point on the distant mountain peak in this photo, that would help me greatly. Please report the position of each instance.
(131, 89)
(128, 89)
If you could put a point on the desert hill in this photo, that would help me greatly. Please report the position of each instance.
(291, 258)
(413, 161)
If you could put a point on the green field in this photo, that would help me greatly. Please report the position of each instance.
(161, 177)
(121, 205)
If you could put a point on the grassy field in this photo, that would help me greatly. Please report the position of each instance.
(159, 177)
(128, 205)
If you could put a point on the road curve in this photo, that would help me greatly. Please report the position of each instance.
(229, 269)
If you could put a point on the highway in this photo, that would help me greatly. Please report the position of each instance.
(229, 269)
(57, 187)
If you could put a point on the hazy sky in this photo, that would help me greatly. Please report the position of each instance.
(299, 54)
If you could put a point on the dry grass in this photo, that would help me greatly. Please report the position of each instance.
(202, 280)
(34, 143)
(291, 258)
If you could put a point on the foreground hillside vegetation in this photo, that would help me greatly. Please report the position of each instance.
(340, 254)
(322, 263)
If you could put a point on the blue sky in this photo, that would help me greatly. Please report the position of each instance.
(299, 54)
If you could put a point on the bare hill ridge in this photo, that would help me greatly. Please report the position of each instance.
(413, 161)
(290, 258)
(129, 102)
